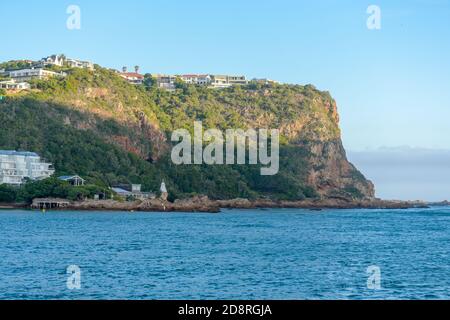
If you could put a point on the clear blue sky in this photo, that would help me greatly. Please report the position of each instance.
(392, 85)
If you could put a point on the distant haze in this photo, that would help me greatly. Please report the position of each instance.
(406, 173)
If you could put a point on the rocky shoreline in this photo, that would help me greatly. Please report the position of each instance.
(204, 204)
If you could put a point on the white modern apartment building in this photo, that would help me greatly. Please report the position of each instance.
(38, 73)
(16, 166)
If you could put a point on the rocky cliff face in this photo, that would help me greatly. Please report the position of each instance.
(333, 175)
(139, 121)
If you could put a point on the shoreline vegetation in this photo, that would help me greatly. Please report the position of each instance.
(204, 204)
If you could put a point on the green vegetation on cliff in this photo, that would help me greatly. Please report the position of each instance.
(97, 125)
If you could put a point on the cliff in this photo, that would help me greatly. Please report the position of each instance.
(97, 125)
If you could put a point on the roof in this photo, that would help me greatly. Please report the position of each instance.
(12, 81)
(194, 75)
(70, 177)
(132, 75)
(18, 153)
(121, 191)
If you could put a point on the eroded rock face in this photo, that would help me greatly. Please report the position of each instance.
(332, 175)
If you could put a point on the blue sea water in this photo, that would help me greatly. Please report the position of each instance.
(237, 254)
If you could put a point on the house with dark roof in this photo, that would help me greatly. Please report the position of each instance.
(132, 192)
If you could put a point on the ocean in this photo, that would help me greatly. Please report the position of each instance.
(236, 254)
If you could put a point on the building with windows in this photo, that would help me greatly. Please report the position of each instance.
(225, 81)
(53, 60)
(237, 80)
(220, 81)
(16, 167)
(166, 82)
(13, 85)
(133, 77)
(60, 60)
(73, 63)
(38, 73)
(133, 191)
(265, 81)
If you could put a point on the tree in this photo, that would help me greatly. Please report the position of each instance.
(7, 194)
(51, 187)
(149, 81)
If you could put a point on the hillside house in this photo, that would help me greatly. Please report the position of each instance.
(237, 80)
(220, 81)
(225, 81)
(73, 180)
(53, 60)
(34, 73)
(133, 77)
(197, 79)
(13, 85)
(265, 81)
(166, 82)
(73, 63)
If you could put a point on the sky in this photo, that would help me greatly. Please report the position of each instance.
(392, 85)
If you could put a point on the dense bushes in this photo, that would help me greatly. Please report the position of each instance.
(7, 194)
(50, 188)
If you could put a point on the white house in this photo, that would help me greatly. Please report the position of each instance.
(220, 81)
(198, 79)
(73, 63)
(225, 81)
(15, 166)
(38, 73)
(13, 85)
(237, 80)
(56, 60)
(265, 81)
(133, 77)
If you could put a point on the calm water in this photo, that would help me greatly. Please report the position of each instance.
(238, 254)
